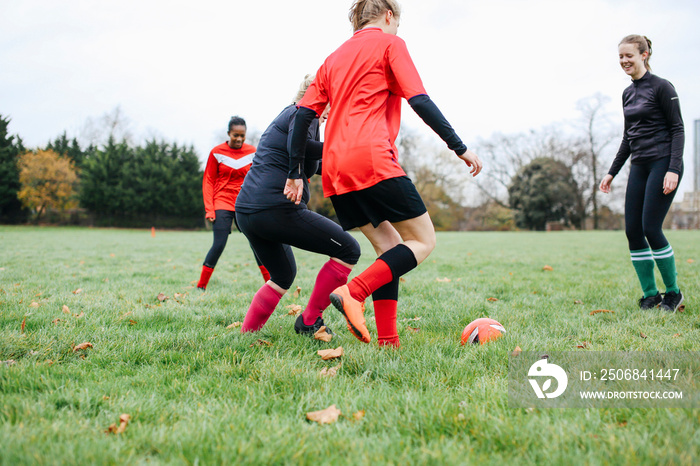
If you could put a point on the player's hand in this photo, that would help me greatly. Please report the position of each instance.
(293, 190)
(670, 182)
(473, 161)
(211, 218)
(605, 184)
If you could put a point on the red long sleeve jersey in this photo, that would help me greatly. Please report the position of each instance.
(223, 177)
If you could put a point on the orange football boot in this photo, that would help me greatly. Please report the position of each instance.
(353, 311)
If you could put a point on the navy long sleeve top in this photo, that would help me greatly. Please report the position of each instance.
(653, 124)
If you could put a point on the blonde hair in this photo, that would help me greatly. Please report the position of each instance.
(643, 44)
(363, 12)
(308, 79)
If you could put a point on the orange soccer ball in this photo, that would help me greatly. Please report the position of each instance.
(482, 330)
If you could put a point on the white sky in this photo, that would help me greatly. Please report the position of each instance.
(179, 70)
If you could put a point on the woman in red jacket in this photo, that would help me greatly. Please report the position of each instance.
(227, 166)
(364, 81)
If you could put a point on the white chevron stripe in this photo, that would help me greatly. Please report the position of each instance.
(235, 163)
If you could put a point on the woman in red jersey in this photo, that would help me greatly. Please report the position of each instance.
(227, 166)
(364, 81)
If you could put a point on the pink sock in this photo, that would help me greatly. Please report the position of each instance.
(262, 307)
(331, 276)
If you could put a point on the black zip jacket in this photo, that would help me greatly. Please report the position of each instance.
(653, 124)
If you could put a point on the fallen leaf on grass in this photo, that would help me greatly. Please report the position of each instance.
(443, 280)
(261, 343)
(681, 308)
(9, 362)
(578, 301)
(234, 325)
(82, 346)
(330, 371)
(297, 292)
(690, 261)
(598, 311)
(179, 295)
(517, 351)
(676, 335)
(492, 299)
(322, 335)
(642, 335)
(548, 268)
(584, 345)
(161, 297)
(359, 415)
(294, 309)
(78, 316)
(413, 329)
(34, 304)
(112, 255)
(56, 321)
(324, 416)
(65, 309)
(123, 421)
(132, 322)
(78, 291)
(24, 321)
(330, 353)
(413, 319)
(402, 280)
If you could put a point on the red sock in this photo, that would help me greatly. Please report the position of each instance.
(385, 316)
(264, 272)
(373, 277)
(331, 276)
(205, 276)
(262, 307)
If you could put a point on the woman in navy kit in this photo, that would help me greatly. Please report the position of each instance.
(272, 225)
(653, 140)
(364, 81)
(227, 166)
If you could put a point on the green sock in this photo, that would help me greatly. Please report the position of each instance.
(666, 261)
(643, 262)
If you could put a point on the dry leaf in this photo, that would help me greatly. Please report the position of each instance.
(330, 371)
(578, 301)
(548, 268)
(78, 291)
(261, 343)
(65, 309)
(359, 415)
(325, 416)
(34, 304)
(402, 280)
(105, 397)
(681, 308)
(676, 335)
(112, 255)
(413, 329)
(123, 421)
(492, 299)
(598, 311)
(82, 346)
(413, 319)
(56, 321)
(132, 322)
(294, 309)
(178, 295)
(690, 261)
(443, 280)
(322, 335)
(642, 335)
(297, 292)
(78, 316)
(9, 362)
(24, 321)
(517, 351)
(161, 297)
(235, 325)
(584, 345)
(330, 353)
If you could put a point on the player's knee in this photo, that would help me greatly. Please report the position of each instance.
(351, 251)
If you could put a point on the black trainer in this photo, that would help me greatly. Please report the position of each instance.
(301, 327)
(651, 302)
(672, 301)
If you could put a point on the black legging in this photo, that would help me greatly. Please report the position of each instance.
(222, 230)
(271, 233)
(646, 205)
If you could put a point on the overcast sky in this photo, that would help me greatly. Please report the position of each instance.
(179, 70)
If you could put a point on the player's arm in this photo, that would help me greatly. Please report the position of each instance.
(210, 174)
(294, 188)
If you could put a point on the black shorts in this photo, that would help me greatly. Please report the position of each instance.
(393, 200)
(224, 220)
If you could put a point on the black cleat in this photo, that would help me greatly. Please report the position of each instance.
(301, 327)
(672, 301)
(651, 302)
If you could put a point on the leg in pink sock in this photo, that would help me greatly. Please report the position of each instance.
(331, 276)
(262, 307)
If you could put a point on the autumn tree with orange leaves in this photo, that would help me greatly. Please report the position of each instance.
(47, 181)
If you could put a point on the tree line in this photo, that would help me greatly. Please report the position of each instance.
(536, 180)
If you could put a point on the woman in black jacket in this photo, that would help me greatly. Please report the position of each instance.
(653, 141)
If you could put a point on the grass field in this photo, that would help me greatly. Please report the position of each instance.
(199, 393)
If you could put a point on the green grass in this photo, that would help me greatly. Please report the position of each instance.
(199, 393)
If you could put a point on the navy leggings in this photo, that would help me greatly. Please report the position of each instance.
(646, 205)
(222, 229)
(272, 232)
